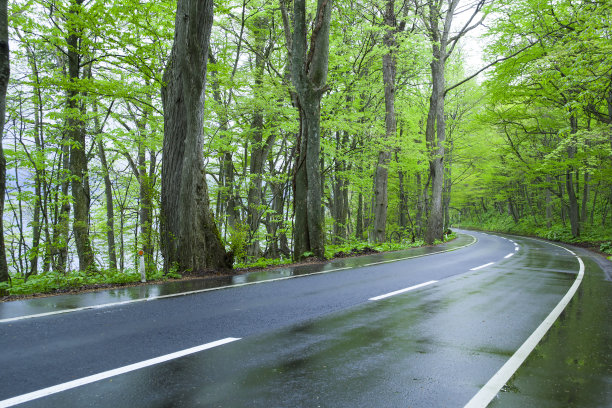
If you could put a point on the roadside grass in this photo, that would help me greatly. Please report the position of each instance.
(57, 282)
(50, 282)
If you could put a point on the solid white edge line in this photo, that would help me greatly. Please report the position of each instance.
(193, 292)
(509, 255)
(482, 266)
(397, 292)
(495, 384)
(111, 373)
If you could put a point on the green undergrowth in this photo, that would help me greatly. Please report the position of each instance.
(594, 235)
(364, 247)
(263, 263)
(51, 282)
(349, 248)
(57, 282)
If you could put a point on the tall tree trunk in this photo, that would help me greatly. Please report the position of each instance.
(421, 194)
(403, 198)
(258, 150)
(359, 226)
(5, 72)
(227, 202)
(145, 180)
(309, 76)
(574, 212)
(381, 193)
(38, 200)
(76, 134)
(108, 191)
(40, 188)
(438, 18)
(110, 211)
(586, 189)
(339, 188)
(435, 117)
(189, 237)
(548, 201)
(435, 131)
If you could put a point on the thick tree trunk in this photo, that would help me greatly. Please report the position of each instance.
(5, 72)
(309, 76)
(189, 237)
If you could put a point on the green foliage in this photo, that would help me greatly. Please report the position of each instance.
(51, 282)
(492, 221)
(238, 241)
(263, 263)
(606, 247)
(361, 247)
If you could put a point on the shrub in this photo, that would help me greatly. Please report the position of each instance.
(606, 247)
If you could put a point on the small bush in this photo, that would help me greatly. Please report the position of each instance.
(238, 240)
(606, 247)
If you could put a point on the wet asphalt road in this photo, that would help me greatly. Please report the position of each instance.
(319, 340)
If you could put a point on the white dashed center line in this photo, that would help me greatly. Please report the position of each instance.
(397, 292)
(482, 266)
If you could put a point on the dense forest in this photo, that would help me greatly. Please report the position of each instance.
(210, 136)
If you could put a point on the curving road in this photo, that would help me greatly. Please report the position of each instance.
(428, 331)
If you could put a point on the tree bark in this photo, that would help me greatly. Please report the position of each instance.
(110, 212)
(435, 131)
(574, 211)
(436, 127)
(259, 148)
(309, 76)
(548, 202)
(5, 72)
(108, 192)
(359, 225)
(381, 194)
(76, 134)
(586, 190)
(189, 237)
(340, 189)
(228, 201)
